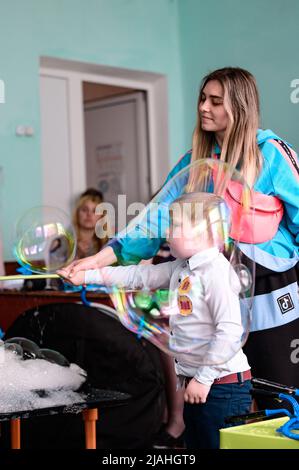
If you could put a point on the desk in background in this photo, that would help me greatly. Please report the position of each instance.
(13, 303)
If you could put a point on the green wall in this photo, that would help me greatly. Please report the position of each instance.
(259, 35)
(134, 34)
(183, 39)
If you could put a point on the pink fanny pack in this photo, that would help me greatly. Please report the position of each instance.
(257, 223)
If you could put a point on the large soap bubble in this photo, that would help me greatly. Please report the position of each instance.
(30, 349)
(54, 356)
(217, 200)
(45, 240)
(14, 348)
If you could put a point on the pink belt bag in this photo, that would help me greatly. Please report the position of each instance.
(256, 223)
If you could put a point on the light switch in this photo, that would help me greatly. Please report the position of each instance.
(29, 131)
(20, 130)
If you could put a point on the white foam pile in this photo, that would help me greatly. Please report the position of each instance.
(21, 379)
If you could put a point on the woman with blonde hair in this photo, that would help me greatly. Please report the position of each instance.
(227, 128)
(85, 220)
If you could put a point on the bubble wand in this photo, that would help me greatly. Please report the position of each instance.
(15, 277)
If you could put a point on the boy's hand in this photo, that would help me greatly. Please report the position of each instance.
(77, 279)
(196, 392)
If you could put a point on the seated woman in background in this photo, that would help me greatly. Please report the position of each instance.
(88, 243)
(85, 220)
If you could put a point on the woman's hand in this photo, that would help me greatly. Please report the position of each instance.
(78, 265)
(196, 392)
(71, 272)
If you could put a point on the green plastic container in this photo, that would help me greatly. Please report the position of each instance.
(260, 435)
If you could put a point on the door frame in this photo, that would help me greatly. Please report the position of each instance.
(155, 86)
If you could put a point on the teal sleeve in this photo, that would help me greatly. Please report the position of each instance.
(132, 251)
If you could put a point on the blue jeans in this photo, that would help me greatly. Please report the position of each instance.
(203, 421)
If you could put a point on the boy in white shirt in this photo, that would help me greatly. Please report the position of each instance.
(206, 327)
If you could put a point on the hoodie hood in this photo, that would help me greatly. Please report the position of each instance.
(261, 136)
(264, 135)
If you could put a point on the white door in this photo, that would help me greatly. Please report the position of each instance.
(116, 148)
(55, 142)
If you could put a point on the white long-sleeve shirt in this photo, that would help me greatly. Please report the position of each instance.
(206, 327)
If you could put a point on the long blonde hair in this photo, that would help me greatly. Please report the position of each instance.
(241, 102)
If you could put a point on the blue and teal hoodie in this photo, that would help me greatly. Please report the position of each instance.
(279, 177)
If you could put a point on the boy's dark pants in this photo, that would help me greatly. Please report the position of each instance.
(203, 421)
